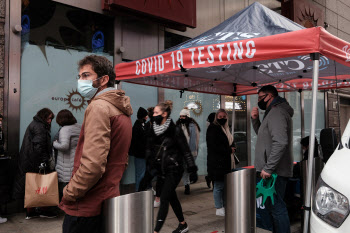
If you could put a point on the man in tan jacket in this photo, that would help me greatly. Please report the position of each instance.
(102, 151)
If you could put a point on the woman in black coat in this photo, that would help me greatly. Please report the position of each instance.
(36, 149)
(220, 156)
(166, 150)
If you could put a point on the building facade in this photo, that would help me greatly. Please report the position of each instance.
(42, 41)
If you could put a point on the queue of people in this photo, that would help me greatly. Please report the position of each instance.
(92, 157)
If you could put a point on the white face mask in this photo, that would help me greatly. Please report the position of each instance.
(86, 89)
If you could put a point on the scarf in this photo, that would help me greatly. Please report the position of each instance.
(160, 129)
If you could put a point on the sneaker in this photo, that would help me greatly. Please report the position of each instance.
(220, 212)
(3, 220)
(208, 181)
(187, 189)
(48, 214)
(156, 204)
(32, 214)
(182, 228)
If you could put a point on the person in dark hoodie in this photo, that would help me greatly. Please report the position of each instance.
(273, 150)
(101, 156)
(166, 151)
(35, 150)
(138, 145)
(305, 146)
(191, 131)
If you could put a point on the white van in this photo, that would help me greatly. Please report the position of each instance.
(330, 205)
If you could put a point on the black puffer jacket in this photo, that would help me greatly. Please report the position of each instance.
(138, 141)
(167, 151)
(219, 153)
(36, 149)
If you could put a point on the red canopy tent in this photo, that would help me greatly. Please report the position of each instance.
(187, 69)
(253, 48)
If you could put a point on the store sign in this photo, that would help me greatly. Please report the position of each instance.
(181, 12)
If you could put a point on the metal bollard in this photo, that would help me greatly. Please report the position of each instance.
(240, 208)
(131, 213)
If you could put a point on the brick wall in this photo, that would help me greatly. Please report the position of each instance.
(337, 16)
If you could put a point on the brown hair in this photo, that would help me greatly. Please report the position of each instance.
(101, 65)
(45, 113)
(65, 117)
(167, 106)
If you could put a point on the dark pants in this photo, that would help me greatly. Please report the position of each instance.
(278, 211)
(73, 224)
(168, 196)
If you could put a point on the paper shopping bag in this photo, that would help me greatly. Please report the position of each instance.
(41, 190)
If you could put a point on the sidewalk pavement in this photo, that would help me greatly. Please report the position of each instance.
(198, 209)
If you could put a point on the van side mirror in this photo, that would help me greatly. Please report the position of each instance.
(328, 142)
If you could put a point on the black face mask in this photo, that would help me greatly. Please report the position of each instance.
(158, 119)
(222, 121)
(262, 104)
(144, 120)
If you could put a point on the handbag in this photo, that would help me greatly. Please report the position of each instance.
(41, 190)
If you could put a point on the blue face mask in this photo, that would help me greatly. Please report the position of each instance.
(86, 89)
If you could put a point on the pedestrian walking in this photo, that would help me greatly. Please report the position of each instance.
(66, 145)
(191, 131)
(36, 149)
(210, 120)
(166, 151)
(273, 150)
(138, 145)
(220, 158)
(101, 155)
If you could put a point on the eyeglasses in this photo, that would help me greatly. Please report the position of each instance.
(84, 76)
(262, 97)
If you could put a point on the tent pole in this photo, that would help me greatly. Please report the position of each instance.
(315, 57)
(233, 116)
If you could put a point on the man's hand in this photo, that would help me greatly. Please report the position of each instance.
(265, 175)
(255, 113)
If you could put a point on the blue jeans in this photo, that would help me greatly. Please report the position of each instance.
(140, 169)
(278, 211)
(218, 193)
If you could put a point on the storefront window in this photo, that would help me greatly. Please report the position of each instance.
(240, 127)
(200, 105)
(293, 99)
(54, 38)
(320, 118)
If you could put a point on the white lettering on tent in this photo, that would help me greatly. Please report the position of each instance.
(211, 60)
(137, 68)
(238, 51)
(150, 63)
(220, 46)
(144, 66)
(200, 55)
(229, 52)
(192, 57)
(300, 64)
(155, 64)
(347, 53)
(179, 57)
(250, 54)
(226, 35)
(160, 63)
